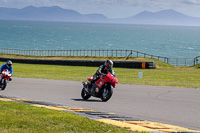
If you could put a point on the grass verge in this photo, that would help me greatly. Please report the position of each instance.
(163, 76)
(24, 118)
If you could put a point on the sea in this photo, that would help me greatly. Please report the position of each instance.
(166, 41)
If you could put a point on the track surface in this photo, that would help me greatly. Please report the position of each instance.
(169, 105)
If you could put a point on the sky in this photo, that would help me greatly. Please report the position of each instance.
(112, 8)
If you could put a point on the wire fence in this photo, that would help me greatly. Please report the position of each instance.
(181, 61)
(99, 53)
(71, 53)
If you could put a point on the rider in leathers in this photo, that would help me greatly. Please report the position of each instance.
(103, 69)
(7, 66)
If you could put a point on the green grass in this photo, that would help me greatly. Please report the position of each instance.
(24, 118)
(163, 76)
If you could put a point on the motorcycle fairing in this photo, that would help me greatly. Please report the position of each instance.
(108, 78)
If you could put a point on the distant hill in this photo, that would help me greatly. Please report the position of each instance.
(165, 17)
(55, 13)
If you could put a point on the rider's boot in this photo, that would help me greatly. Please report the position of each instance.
(89, 86)
(85, 86)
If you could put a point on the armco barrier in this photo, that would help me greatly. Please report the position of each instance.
(95, 63)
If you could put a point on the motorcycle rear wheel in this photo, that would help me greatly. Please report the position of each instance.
(85, 95)
(106, 94)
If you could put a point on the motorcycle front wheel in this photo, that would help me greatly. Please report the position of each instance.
(106, 94)
(85, 95)
(3, 84)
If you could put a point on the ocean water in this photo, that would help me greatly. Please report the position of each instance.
(167, 41)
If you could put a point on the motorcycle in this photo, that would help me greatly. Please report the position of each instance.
(102, 88)
(5, 76)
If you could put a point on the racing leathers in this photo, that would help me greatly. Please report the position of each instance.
(5, 67)
(102, 70)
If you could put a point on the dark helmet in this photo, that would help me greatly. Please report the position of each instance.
(9, 63)
(109, 64)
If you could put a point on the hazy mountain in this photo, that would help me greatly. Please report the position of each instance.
(165, 17)
(55, 13)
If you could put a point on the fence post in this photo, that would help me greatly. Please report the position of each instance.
(99, 53)
(195, 60)
(131, 53)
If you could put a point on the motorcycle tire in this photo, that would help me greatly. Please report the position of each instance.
(3, 86)
(106, 95)
(85, 95)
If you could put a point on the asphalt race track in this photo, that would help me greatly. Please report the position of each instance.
(169, 105)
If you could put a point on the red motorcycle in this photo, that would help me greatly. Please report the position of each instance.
(5, 76)
(102, 88)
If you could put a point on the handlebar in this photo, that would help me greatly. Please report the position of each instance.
(103, 74)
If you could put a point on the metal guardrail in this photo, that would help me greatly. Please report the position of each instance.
(102, 53)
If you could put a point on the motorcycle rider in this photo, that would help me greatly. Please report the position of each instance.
(103, 69)
(7, 66)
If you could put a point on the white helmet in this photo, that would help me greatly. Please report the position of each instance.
(9, 63)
